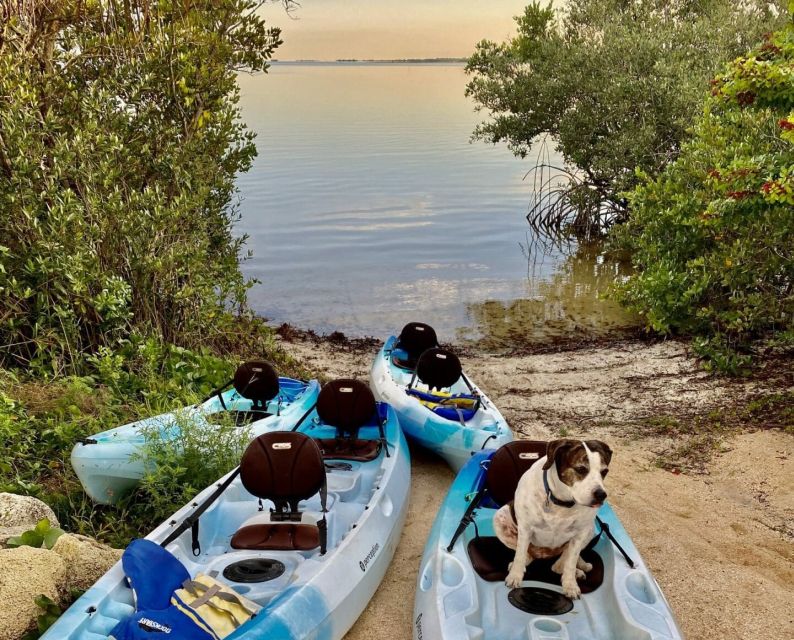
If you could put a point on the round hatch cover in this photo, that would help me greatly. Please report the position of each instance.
(540, 601)
(254, 570)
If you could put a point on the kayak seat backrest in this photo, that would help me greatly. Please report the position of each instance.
(438, 368)
(413, 341)
(284, 467)
(347, 405)
(507, 466)
(257, 381)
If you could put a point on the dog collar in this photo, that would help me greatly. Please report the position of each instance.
(551, 497)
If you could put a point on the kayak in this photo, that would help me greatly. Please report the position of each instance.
(461, 592)
(312, 575)
(455, 422)
(110, 464)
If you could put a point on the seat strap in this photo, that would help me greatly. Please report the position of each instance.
(322, 525)
(303, 417)
(468, 517)
(604, 529)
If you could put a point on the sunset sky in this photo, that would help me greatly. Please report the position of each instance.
(333, 29)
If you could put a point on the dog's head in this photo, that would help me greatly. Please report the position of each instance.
(582, 465)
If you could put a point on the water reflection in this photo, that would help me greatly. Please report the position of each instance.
(568, 303)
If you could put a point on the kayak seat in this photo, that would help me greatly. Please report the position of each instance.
(285, 468)
(414, 339)
(348, 405)
(438, 368)
(490, 559)
(349, 449)
(257, 381)
(277, 537)
(401, 359)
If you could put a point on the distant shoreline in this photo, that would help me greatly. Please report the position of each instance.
(375, 61)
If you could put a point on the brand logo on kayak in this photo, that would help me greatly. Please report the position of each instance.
(345, 389)
(282, 445)
(368, 558)
(529, 456)
(152, 625)
(418, 624)
(257, 369)
(441, 356)
(419, 328)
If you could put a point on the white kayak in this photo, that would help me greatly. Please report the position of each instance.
(111, 463)
(456, 420)
(461, 592)
(317, 583)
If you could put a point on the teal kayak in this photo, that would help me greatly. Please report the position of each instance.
(111, 463)
(312, 562)
(454, 423)
(461, 592)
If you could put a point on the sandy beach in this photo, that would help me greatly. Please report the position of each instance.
(719, 536)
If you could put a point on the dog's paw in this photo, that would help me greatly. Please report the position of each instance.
(580, 575)
(514, 579)
(584, 566)
(571, 589)
(558, 566)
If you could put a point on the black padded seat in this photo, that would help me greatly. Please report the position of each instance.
(490, 559)
(256, 380)
(286, 536)
(354, 449)
(414, 339)
(284, 467)
(438, 368)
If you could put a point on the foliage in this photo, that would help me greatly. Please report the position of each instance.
(42, 535)
(40, 421)
(120, 140)
(615, 84)
(50, 612)
(712, 235)
(178, 468)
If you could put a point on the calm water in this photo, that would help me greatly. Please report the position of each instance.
(367, 207)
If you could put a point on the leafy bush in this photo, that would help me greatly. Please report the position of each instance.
(614, 84)
(712, 235)
(120, 141)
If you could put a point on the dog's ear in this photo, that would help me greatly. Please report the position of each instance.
(602, 448)
(556, 448)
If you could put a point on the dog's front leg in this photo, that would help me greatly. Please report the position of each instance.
(521, 559)
(567, 565)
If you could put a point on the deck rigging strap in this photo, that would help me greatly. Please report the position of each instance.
(604, 528)
(468, 517)
(303, 417)
(191, 522)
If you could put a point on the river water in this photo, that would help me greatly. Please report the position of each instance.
(368, 207)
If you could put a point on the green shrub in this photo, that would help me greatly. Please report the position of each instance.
(712, 236)
(120, 142)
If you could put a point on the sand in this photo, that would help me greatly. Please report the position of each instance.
(720, 542)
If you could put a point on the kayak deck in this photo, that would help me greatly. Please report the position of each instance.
(367, 504)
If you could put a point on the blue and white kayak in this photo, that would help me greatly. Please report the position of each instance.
(439, 420)
(307, 591)
(110, 464)
(461, 592)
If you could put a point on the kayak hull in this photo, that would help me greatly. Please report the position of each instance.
(454, 603)
(318, 597)
(109, 464)
(452, 440)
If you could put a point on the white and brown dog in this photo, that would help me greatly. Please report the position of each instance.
(554, 509)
